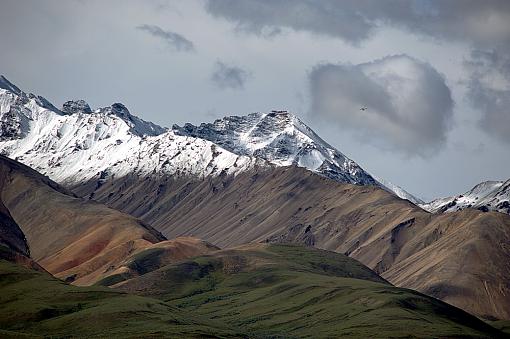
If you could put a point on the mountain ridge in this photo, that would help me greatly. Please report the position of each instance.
(485, 196)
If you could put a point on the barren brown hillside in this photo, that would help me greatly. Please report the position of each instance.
(75, 239)
(13, 245)
(461, 258)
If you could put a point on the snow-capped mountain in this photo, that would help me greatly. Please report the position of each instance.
(77, 144)
(486, 196)
(283, 139)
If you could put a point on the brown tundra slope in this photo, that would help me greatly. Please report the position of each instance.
(462, 258)
(13, 245)
(74, 239)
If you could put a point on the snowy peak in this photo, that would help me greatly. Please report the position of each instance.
(137, 126)
(484, 188)
(399, 191)
(251, 134)
(282, 139)
(9, 89)
(486, 196)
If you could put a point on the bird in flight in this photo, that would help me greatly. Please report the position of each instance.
(364, 108)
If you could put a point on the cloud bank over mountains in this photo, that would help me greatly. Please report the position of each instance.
(482, 25)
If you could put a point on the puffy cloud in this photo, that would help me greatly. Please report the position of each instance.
(229, 76)
(175, 40)
(395, 103)
(489, 91)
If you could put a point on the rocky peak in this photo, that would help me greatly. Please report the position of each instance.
(138, 126)
(76, 106)
(9, 86)
(117, 109)
(282, 139)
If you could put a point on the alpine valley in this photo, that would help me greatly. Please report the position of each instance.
(251, 226)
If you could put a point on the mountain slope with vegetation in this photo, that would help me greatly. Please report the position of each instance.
(297, 292)
(34, 304)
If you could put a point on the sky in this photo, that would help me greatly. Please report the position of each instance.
(432, 76)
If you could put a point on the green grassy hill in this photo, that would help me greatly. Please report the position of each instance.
(290, 291)
(36, 304)
(503, 325)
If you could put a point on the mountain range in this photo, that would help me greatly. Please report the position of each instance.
(187, 287)
(201, 217)
(75, 143)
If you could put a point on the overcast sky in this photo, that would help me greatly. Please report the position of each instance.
(433, 75)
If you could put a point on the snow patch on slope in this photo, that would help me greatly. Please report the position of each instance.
(399, 191)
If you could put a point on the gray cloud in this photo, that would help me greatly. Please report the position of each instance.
(229, 76)
(175, 40)
(409, 106)
(266, 17)
(489, 91)
(480, 22)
